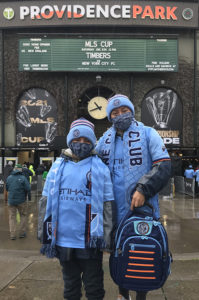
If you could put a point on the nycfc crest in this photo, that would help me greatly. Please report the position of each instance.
(49, 230)
(76, 133)
(116, 102)
(143, 228)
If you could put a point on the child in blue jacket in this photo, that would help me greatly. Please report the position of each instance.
(79, 215)
(138, 161)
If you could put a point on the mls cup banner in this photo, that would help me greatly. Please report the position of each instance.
(36, 119)
(162, 110)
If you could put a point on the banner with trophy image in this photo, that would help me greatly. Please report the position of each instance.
(162, 110)
(36, 119)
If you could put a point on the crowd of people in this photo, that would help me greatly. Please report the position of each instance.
(190, 173)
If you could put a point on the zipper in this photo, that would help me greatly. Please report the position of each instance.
(118, 242)
(144, 246)
(148, 238)
(125, 223)
(163, 237)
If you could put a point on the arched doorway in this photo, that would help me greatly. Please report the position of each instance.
(92, 104)
(36, 125)
(36, 118)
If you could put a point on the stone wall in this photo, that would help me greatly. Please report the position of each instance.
(77, 83)
(182, 83)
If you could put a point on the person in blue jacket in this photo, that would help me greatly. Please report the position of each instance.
(18, 187)
(189, 173)
(138, 161)
(80, 213)
(197, 179)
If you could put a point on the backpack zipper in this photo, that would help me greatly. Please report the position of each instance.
(144, 237)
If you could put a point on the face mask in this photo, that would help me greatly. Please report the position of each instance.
(123, 121)
(81, 150)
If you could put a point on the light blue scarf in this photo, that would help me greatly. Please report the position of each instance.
(137, 161)
(96, 216)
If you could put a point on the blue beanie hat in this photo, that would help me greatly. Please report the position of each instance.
(81, 128)
(118, 101)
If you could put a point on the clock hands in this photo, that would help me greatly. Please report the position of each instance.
(98, 107)
(95, 108)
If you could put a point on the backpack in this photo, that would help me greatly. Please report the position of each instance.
(141, 259)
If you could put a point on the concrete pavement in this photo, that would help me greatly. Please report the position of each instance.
(25, 274)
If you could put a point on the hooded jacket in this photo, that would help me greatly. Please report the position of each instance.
(7, 171)
(17, 186)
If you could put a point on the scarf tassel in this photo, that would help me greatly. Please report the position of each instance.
(97, 242)
(48, 250)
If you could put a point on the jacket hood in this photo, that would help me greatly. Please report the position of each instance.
(16, 172)
(68, 153)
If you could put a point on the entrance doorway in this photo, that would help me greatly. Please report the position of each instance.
(26, 157)
(47, 162)
(13, 159)
(34, 157)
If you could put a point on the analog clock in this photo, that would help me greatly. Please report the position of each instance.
(97, 107)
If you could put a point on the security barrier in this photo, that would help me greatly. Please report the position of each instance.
(189, 185)
(34, 183)
(168, 190)
(179, 184)
(39, 183)
(1, 184)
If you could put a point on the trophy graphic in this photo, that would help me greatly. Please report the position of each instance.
(161, 106)
(50, 129)
(44, 110)
(19, 136)
(23, 117)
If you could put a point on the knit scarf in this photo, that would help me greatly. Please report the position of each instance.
(135, 154)
(94, 219)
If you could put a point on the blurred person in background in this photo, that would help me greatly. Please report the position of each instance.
(41, 168)
(17, 186)
(28, 174)
(189, 173)
(7, 171)
(31, 168)
(197, 179)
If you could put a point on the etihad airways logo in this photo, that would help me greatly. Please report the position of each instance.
(98, 11)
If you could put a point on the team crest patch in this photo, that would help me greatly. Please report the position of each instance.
(49, 230)
(88, 177)
(143, 228)
(116, 102)
(95, 222)
(76, 133)
(163, 148)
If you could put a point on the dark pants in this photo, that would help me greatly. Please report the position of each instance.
(139, 295)
(197, 187)
(87, 270)
(5, 195)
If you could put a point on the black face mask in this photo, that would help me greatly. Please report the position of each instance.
(123, 121)
(81, 150)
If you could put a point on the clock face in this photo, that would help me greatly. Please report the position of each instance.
(97, 107)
